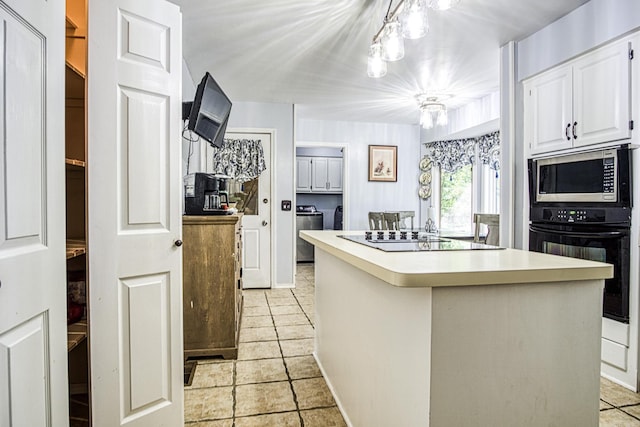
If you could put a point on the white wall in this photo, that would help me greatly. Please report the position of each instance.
(587, 27)
(188, 93)
(363, 196)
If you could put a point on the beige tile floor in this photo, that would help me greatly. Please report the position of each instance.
(276, 382)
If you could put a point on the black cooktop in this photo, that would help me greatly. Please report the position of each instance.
(414, 243)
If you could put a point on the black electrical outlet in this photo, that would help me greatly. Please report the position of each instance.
(286, 205)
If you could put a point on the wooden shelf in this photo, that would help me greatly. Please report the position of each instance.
(76, 333)
(70, 23)
(74, 162)
(75, 69)
(76, 248)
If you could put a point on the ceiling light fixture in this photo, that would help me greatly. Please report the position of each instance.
(442, 4)
(430, 107)
(408, 20)
(376, 66)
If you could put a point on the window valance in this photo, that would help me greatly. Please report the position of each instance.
(453, 154)
(241, 159)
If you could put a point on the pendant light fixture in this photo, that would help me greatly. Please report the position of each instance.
(392, 41)
(442, 4)
(407, 21)
(430, 107)
(376, 66)
(414, 19)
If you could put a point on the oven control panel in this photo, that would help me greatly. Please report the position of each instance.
(620, 216)
(569, 215)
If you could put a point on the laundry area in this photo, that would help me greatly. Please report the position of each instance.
(319, 188)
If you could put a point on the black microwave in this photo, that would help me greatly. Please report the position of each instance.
(592, 178)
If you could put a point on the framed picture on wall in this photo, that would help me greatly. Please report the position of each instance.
(383, 163)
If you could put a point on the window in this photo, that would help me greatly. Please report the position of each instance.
(465, 192)
(467, 172)
(456, 203)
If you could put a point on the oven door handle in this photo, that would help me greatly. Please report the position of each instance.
(604, 234)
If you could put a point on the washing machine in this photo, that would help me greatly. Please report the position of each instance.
(307, 218)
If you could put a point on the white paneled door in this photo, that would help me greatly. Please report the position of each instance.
(135, 213)
(256, 218)
(256, 221)
(33, 332)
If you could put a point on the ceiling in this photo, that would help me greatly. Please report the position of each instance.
(313, 53)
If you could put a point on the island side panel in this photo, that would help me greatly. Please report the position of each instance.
(525, 355)
(373, 345)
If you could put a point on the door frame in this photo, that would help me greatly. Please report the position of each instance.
(272, 181)
(345, 182)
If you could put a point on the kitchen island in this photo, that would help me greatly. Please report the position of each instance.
(458, 338)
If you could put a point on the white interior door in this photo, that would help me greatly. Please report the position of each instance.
(256, 221)
(33, 332)
(135, 212)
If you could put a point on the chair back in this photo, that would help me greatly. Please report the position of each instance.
(492, 221)
(376, 221)
(392, 220)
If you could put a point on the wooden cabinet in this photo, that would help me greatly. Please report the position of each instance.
(212, 285)
(319, 175)
(584, 102)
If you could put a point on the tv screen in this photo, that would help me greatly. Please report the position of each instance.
(210, 111)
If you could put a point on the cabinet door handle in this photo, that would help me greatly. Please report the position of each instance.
(566, 132)
(178, 243)
(326, 185)
(264, 223)
(575, 125)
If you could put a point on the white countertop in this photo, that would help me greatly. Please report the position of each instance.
(456, 268)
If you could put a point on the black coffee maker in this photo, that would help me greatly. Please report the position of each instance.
(205, 194)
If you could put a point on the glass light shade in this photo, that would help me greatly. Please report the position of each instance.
(392, 42)
(425, 119)
(414, 19)
(376, 66)
(442, 119)
(442, 4)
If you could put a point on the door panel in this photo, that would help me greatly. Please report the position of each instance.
(548, 111)
(33, 347)
(145, 188)
(134, 155)
(144, 338)
(24, 374)
(601, 90)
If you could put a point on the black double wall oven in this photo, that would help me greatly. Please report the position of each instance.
(580, 206)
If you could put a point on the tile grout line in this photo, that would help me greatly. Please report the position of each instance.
(286, 368)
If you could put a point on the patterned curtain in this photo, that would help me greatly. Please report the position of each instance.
(453, 154)
(241, 159)
(489, 150)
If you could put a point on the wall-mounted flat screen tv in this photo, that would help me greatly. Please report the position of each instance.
(210, 111)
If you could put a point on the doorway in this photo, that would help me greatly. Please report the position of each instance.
(257, 208)
(321, 186)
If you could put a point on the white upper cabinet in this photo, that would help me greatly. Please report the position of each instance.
(334, 174)
(319, 175)
(581, 103)
(303, 174)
